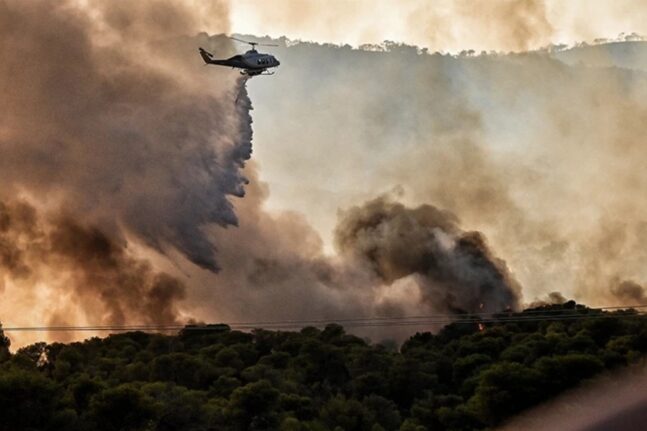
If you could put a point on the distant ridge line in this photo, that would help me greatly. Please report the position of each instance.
(532, 315)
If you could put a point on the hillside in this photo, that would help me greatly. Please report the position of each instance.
(626, 55)
(215, 378)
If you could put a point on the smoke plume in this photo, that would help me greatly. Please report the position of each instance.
(114, 141)
(629, 292)
(552, 298)
(103, 121)
(457, 271)
(127, 194)
(390, 260)
(85, 266)
(541, 152)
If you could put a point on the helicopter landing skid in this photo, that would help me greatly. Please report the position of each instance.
(251, 75)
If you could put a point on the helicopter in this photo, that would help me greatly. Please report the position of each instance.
(251, 63)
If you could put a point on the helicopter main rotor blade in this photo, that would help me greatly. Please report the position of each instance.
(252, 43)
(240, 40)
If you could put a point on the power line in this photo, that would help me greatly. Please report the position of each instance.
(392, 321)
(452, 316)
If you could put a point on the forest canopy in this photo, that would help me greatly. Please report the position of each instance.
(210, 377)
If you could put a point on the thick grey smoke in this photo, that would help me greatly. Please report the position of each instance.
(274, 267)
(114, 140)
(456, 269)
(120, 138)
(540, 151)
(629, 292)
(552, 298)
(102, 119)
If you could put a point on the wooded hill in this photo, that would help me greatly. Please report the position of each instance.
(215, 378)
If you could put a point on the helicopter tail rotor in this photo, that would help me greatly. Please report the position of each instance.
(206, 56)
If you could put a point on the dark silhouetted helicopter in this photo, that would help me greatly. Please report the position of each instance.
(252, 63)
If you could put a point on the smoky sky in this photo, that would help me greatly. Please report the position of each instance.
(101, 119)
(541, 152)
(113, 140)
(388, 181)
(442, 25)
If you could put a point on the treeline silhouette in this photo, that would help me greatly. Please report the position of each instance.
(467, 376)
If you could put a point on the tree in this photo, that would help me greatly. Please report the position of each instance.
(179, 408)
(564, 371)
(124, 408)
(253, 406)
(312, 380)
(381, 411)
(505, 389)
(83, 390)
(4, 346)
(348, 414)
(27, 401)
(464, 367)
(184, 369)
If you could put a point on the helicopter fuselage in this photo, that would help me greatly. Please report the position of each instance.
(251, 63)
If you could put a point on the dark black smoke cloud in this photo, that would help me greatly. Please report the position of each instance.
(391, 260)
(456, 269)
(19, 219)
(126, 286)
(552, 298)
(628, 292)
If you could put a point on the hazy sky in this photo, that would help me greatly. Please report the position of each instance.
(447, 25)
(120, 174)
